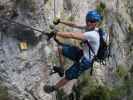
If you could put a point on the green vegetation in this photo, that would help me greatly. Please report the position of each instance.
(130, 33)
(65, 17)
(89, 89)
(70, 18)
(86, 87)
(131, 70)
(101, 7)
(99, 93)
(121, 71)
(3, 93)
(60, 95)
(130, 28)
(129, 39)
(125, 89)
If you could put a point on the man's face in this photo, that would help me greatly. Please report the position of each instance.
(91, 25)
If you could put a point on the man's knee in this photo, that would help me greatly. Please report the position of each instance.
(58, 49)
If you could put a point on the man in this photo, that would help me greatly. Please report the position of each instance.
(82, 57)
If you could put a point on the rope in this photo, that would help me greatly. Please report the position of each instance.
(111, 25)
(54, 9)
(11, 21)
(60, 61)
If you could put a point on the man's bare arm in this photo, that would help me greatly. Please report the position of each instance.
(71, 24)
(72, 35)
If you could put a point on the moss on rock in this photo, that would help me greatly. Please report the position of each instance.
(3, 93)
(121, 71)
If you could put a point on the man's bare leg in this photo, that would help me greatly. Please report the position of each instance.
(61, 83)
(61, 57)
(60, 69)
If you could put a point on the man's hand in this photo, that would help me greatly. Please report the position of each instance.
(51, 34)
(56, 21)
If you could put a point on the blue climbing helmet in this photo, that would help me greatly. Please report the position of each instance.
(93, 16)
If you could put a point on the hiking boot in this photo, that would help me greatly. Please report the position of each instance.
(59, 70)
(49, 89)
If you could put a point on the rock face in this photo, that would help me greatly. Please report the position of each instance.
(24, 73)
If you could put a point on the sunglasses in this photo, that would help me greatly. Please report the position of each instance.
(91, 21)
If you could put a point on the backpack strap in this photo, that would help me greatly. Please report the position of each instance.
(97, 30)
(90, 48)
(91, 70)
(88, 44)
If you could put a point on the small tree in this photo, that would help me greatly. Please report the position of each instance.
(101, 7)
